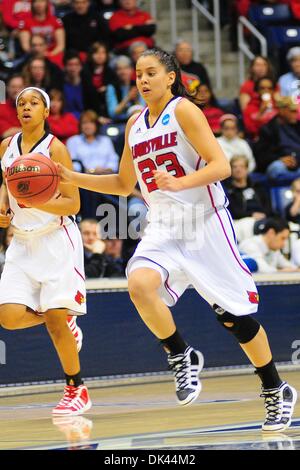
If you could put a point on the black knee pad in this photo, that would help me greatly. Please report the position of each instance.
(244, 328)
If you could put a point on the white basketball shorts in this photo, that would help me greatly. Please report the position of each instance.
(213, 267)
(46, 271)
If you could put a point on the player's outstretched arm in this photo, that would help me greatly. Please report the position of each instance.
(199, 134)
(121, 184)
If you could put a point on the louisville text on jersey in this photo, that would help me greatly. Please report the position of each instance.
(153, 145)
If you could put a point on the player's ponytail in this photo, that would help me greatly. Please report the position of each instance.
(171, 64)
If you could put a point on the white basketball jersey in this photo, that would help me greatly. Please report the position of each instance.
(27, 218)
(164, 147)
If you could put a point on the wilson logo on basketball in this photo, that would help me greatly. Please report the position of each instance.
(23, 187)
(20, 168)
(253, 297)
(79, 298)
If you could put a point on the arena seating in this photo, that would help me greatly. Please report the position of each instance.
(261, 15)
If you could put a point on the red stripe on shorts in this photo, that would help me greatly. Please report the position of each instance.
(66, 230)
(79, 274)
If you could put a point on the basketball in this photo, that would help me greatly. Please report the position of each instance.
(32, 178)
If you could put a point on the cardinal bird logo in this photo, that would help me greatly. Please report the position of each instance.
(79, 298)
(253, 297)
(23, 187)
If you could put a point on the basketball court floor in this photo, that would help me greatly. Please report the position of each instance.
(144, 415)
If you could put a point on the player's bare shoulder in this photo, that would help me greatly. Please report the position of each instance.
(132, 120)
(129, 125)
(59, 153)
(3, 146)
(192, 120)
(56, 146)
(186, 109)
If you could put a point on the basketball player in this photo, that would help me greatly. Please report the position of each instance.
(43, 271)
(171, 151)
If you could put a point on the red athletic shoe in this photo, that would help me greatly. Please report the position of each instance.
(75, 401)
(76, 331)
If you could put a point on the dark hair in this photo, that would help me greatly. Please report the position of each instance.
(58, 94)
(277, 224)
(213, 99)
(48, 10)
(71, 54)
(270, 71)
(14, 75)
(257, 83)
(27, 74)
(171, 64)
(94, 48)
(41, 96)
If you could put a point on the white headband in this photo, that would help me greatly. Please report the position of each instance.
(42, 92)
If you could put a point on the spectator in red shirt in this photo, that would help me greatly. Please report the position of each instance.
(41, 21)
(129, 24)
(261, 110)
(207, 102)
(259, 67)
(15, 11)
(63, 125)
(295, 8)
(9, 123)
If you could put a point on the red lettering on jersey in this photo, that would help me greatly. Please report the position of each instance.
(153, 145)
(167, 160)
(156, 143)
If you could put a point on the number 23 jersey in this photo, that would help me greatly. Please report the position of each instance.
(164, 147)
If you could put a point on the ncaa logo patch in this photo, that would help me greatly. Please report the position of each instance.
(165, 120)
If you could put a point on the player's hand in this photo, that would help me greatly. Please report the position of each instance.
(4, 218)
(97, 247)
(64, 173)
(167, 182)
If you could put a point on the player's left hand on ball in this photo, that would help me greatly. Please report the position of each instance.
(167, 182)
(4, 218)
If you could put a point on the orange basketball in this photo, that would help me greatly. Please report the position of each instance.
(32, 178)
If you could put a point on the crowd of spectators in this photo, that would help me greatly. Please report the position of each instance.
(83, 53)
